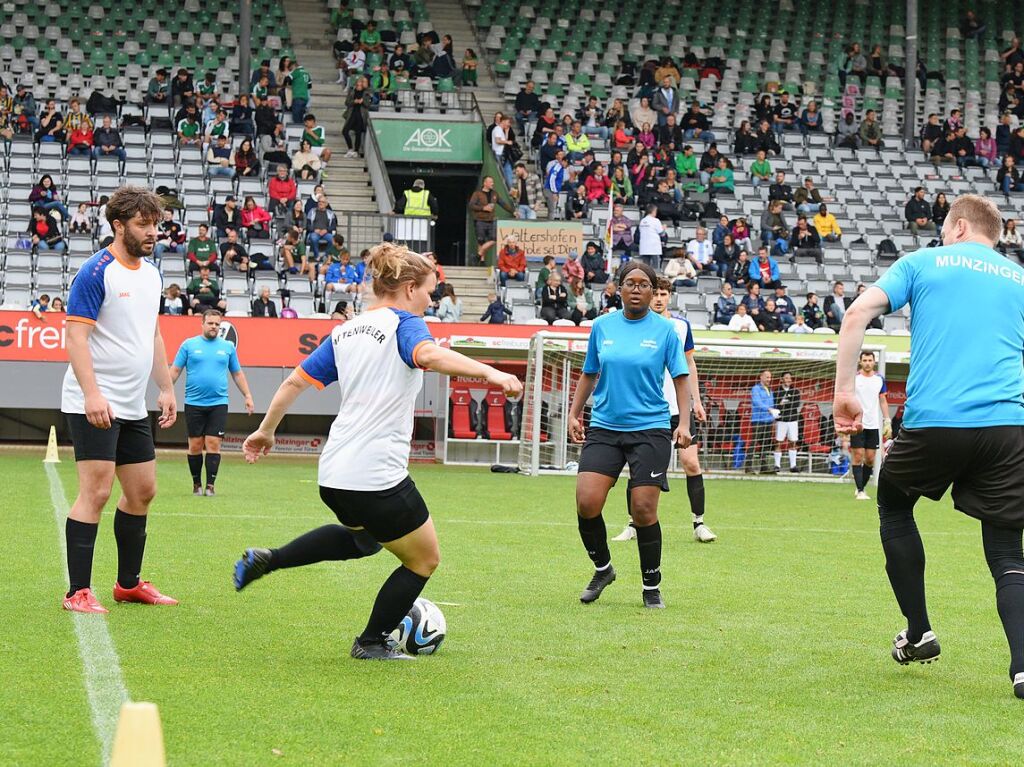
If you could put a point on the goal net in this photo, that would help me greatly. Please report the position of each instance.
(728, 441)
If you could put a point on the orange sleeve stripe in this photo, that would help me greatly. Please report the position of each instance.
(308, 377)
(416, 351)
(76, 318)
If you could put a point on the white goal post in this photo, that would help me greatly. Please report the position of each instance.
(728, 369)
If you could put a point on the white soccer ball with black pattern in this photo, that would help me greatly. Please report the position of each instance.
(422, 630)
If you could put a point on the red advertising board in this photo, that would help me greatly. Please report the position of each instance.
(261, 342)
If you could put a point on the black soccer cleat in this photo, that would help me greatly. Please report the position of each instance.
(1018, 685)
(382, 650)
(254, 564)
(653, 600)
(925, 651)
(597, 584)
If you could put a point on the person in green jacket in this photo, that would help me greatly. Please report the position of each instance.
(761, 170)
(542, 276)
(722, 179)
(302, 83)
(686, 168)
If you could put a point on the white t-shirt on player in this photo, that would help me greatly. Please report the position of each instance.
(682, 328)
(868, 389)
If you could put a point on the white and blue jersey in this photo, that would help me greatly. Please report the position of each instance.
(206, 362)
(968, 336)
(121, 301)
(373, 359)
(631, 357)
(685, 334)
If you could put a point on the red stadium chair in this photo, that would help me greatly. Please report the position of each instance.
(811, 429)
(494, 423)
(461, 422)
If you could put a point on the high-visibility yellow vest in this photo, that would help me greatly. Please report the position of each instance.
(417, 203)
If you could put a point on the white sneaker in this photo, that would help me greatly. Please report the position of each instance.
(626, 535)
(861, 496)
(351, 153)
(703, 534)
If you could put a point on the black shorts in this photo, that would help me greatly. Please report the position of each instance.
(867, 439)
(983, 465)
(648, 453)
(205, 421)
(674, 424)
(125, 442)
(486, 231)
(387, 515)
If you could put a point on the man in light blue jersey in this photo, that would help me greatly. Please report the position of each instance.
(207, 359)
(964, 418)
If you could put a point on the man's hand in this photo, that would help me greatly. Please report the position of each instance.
(698, 410)
(249, 404)
(168, 408)
(847, 414)
(257, 445)
(681, 436)
(576, 431)
(509, 384)
(98, 411)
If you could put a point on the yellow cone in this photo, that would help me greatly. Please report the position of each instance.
(139, 741)
(51, 447)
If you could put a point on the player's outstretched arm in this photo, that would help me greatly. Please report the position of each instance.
(584, 388)
(162, 376)
(433, 357)
(259, 443)
(846, 410)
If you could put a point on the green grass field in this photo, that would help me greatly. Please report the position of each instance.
(774, 649)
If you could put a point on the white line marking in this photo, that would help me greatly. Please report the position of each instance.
(104, 684)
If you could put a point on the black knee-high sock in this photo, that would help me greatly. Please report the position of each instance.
(595, 540)
(629, 505)
(195, 468)
(695, 492)
(329, 543)
(212, 465)
(904, 557)
(648, 541)
(857, 477)
(865, 474)
(81, 541)
(130, 534)
(1006, 561)
(394, 600)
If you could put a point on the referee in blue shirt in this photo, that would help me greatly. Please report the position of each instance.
(627, 356)
(206, 360)
(963, 424)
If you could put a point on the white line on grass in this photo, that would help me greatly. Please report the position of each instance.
(104, 684)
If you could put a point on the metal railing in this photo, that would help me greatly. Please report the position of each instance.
(364, 230)
(378, 170)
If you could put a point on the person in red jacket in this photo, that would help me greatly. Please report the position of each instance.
(511, 261)
(598, 185)
(255, 219)
(283, 190)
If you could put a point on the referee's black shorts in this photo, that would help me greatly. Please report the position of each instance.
(983, 465)
(867, 439)
(387, 515)
(648, 453)
(125, 442)
(205, 421)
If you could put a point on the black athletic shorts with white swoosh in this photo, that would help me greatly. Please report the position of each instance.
(648, 453)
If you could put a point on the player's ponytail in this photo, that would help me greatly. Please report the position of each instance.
(394, 265)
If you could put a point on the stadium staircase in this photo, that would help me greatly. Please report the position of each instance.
(347, 184)
(471, 284)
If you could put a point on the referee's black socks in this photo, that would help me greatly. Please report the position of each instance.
(329, 543)
(130, 534)
(81, 541)
(904, 556)
(595, 540)
(212, 465)
(195, 468)
(1005, 558)
(648, 540)
(394, 600)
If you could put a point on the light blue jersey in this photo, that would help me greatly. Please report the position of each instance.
(968, 336)
(631, 357)
(206, 363)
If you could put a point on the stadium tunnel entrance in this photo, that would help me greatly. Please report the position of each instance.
(452, 185)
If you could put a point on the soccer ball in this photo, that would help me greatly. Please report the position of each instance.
(422, 630)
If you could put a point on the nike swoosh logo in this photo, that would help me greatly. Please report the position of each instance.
(654, 476)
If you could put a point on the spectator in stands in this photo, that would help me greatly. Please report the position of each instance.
(353, 64)
(78, 127)
(855, 64)
(622, 227)
(265, 117)
(610, 300)
(204, 292)
(621, 186)
(785, 115)
(721, 229)
(725, 306)
(45, 195)
(931, 133)
(696, 125)
(44, 231)
(686, 166)
(233, 253)
(598, 186)
(871, 131)
(764, 272)
(836, 304)
(274, 148)
(547, 267)
(340, 275)
(752, 300)
(294, 256)
(944, 149)
(594, 265)
(592, 118)
(963, 149)
(107, 141)
(554, 300)
(810, 119)
(482, 206)
(241, 117)
(317, 137)
(227, 217)
(799, 326)
(784, 307)
(25, 102)
(971, 27)
(511, 261)
(189, 130)
(701, 251)
(528, 194)
(812, 314)
(246, 162)
(847, 135)
(576, 142)
(263, 305)
(201, 250)
(826, 225)
(216, 123)
(621, 137)
(1010, 241)
(773, 224)
(207, 89)
(51, 124)
(739, 271)
(985, 151)
(417, 201)
(502, 145)
(782, 191)
(722, 179)
(666, 100)
(670, 135)
(301, 85)
(80, 221)
(549, 151)
(643, 114)
(321, 223)
(805, 241)
(1008, 178)
(556, 175)
(182, 88)
(765, 139)
(220, 158)
(172, 302)
(469, 71)
(741, 234)
(769, 321)
(577, 206)
(572, 269)
(497, 313)
(450, 307)
(1015, 147)
(918, 213)
(680, 269)
(745, 142)
(1012, 55)
(760, 169)
(305, 162)
(583, 307)
(807, 199)
(726, 253)
(159, 90)
(940, 209)
(708, 164)
(170, 238)
(954, 121)
(741, 322)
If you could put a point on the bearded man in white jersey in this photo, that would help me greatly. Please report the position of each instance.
(871, 394)
(115, 346)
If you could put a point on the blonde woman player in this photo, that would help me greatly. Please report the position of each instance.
(688, 457)
(378, 360)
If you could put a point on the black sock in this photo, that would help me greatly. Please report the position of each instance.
(865, 474)
(648, 540)
(695, 492)
(629, 505)
(1006, 561)
(212, 464)
(81, 541)
(329, 543)
(595, 540)
(394, 600)
(904, 556)
(130, 534)
(195, 468)
(858, 478)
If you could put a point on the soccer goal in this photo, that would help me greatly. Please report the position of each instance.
(728, 442)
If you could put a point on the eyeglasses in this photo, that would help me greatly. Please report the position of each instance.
(636, 286)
